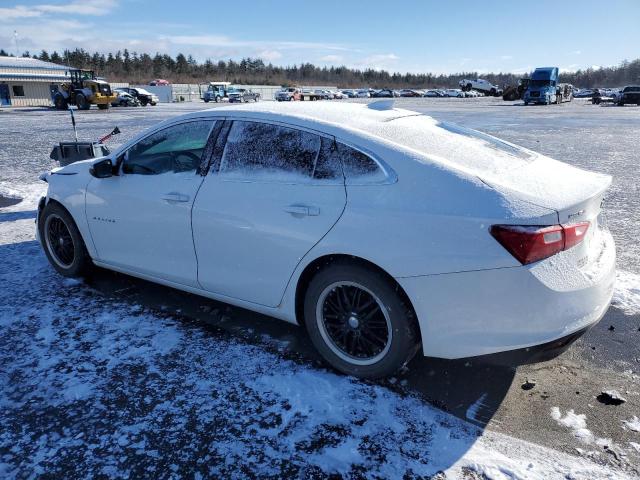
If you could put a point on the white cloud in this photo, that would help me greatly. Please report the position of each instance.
(224, 41)
(506, 57)
(332, 58)
(18, 11)
(269, 55)
(379, 61)
(77, 7)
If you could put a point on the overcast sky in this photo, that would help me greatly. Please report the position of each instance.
(416, 36)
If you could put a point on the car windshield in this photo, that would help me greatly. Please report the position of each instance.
(631, 89)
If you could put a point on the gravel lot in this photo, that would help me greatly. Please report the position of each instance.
(169, 392)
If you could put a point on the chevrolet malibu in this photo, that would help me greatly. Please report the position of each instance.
(382, 231)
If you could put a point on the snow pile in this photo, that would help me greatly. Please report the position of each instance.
(93, 387)
(626, 295)
(576, 422)
(633, 424)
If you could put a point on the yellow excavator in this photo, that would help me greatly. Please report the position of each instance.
(83, 90)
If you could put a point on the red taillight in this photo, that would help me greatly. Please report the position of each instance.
(529, 244)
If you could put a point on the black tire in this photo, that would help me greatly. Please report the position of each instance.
(55, 227)
(82, 102)
(493, 92)
(144, 102)
(206, 100)
(217, 99)
(379, 321)
(104, 106)
(60, 102)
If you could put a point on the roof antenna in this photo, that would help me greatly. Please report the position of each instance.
(382, 105)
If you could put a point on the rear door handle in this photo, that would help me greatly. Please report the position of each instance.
(175, 197)
(300, 210)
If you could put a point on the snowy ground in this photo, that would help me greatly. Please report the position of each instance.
(119, 378)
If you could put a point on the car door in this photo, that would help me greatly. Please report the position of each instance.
(140, 220)
(274, 192)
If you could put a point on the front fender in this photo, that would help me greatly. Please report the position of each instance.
(68, 188)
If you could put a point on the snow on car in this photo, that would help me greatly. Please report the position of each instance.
(381, 230)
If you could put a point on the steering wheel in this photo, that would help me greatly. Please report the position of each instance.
(185, 161)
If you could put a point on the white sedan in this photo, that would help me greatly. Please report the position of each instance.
(381, 230)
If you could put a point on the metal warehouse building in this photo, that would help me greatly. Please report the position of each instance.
(27, 81)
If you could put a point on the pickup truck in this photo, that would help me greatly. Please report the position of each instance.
(481, 85)
(144, 97)
(242, 95)
(288, 94)
(630, 94)
(215, 91)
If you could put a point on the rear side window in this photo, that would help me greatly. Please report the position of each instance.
(358, 167)
(266, 152)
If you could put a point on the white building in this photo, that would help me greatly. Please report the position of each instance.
(27, 81)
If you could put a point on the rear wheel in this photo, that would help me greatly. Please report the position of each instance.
(359, 322)
(62, 242)
(104, 106)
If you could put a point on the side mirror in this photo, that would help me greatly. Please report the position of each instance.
(102, 169)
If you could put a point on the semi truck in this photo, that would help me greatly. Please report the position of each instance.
(542, 88)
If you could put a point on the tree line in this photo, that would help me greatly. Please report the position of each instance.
(138, 68)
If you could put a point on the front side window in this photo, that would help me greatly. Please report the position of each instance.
(265, 152)
(18, 90)
(174, 149)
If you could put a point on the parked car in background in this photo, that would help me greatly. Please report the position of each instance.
(488, 253)
(481, 85)
(338, 95)
(159, 82)
(454, 92)
(363, 93)
(434, 93)
(629, 95)
(407, 92)
(125, 99)
(584, 93)
(350, 93)
(144, 96)
(242, 95)
(288, 94)
(385, 93)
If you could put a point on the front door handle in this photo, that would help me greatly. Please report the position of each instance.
(175, 197)
(300, 210)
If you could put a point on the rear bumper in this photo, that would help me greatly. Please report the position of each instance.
(490, 311)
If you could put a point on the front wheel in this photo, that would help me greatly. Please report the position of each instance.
(60, 102)
(62, 242)
(104, 106)
(359, 322)
(82, 102)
